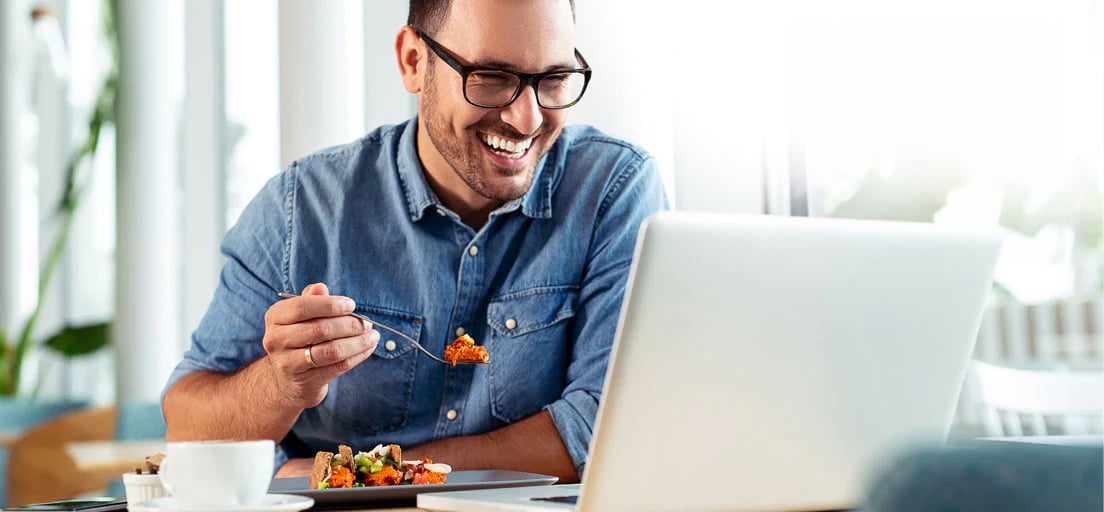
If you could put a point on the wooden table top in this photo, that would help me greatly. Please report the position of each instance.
(7, 437)
(112, 458)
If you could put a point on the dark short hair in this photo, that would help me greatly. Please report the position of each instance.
(428, 15)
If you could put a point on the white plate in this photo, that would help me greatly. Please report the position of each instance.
(391, 495)
(270, 503)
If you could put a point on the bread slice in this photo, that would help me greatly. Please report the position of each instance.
(347, 457)
(321, 470)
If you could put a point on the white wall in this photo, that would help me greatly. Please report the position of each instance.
(18, 203)
(321, 76)
(146, 331)
(385, 99)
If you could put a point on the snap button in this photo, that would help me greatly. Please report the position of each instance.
(511, 323)
(451, 414)
(390, 345)
(473, 250)
(460, 331)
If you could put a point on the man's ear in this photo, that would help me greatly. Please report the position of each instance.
(412, 59)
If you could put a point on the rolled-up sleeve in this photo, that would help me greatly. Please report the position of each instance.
(634, 193)
(230, 334)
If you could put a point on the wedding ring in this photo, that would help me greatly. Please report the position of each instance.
(307, 354)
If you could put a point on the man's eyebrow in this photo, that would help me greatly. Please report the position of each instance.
(492, 63)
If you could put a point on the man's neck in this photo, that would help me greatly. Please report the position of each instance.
(473, 209)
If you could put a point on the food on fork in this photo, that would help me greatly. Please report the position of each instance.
(383, 465)
(464, 349)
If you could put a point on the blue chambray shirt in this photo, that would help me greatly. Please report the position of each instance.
(540, 285)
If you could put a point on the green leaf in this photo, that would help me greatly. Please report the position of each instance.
(5, 366)
(76, 341)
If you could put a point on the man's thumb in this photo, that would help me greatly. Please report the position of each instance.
(316, 289)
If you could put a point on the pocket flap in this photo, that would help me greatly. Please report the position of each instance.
(520, 313)
(406, 323)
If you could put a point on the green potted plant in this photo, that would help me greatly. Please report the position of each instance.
(71, 340)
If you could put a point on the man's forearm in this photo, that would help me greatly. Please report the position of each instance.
(242, 405)
(532, 445)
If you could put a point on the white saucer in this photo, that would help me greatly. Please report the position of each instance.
(270, 503)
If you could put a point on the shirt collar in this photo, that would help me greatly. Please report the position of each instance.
(536, 203)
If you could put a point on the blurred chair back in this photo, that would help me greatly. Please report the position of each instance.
(40, 469)
(1067, 333)
(1040, 402)
(1066, 330)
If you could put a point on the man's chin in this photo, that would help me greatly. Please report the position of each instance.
(505, 192)
(505, 185)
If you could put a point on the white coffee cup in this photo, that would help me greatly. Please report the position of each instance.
(218, 474)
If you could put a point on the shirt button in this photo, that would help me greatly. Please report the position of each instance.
(511, 323)
(473, 250)
(440, 212)
(460, 331)
(451, 414)
(390, 345)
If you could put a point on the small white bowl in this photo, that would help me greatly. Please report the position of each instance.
(143, 487)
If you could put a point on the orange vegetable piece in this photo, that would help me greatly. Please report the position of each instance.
(465, 349)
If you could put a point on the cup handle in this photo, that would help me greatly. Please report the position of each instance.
(162, 474)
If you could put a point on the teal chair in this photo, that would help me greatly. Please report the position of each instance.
(991, 476)
(139, 420)
(20, 414)
(135, 421)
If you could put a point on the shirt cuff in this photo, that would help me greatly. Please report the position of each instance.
(574, 416)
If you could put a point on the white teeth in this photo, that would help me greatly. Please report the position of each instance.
(508, 148)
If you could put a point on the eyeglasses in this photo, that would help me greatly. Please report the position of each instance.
(490, 87)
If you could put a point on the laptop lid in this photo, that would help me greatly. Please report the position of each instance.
(763, 363)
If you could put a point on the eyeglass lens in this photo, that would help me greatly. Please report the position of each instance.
(495, 88)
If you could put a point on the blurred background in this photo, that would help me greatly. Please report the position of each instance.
(132, 134)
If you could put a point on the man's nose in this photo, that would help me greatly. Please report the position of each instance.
(524, 114)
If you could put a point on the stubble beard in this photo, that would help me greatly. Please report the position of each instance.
(465, 160)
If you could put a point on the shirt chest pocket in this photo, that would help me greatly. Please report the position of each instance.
(529, 349)
(375, 396)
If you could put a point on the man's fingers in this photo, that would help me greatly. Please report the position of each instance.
(307, 307)
(330, 372)
(341, 352)
(316, 289)
(320, 330)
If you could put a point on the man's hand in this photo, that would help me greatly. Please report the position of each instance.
(310, 340)
(246, 404)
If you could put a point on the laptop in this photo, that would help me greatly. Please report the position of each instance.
(767, 363)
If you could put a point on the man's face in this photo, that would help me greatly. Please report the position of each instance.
(526, 36)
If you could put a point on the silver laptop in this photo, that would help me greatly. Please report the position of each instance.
(766, 363)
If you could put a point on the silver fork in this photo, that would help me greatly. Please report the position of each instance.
(400, 334)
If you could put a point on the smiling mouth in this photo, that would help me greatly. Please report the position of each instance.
(506, 148)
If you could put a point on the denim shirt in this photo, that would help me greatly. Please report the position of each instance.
(540, 285)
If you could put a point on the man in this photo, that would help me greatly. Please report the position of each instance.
(483, 215)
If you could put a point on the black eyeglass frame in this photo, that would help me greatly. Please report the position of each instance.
(525, 79)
